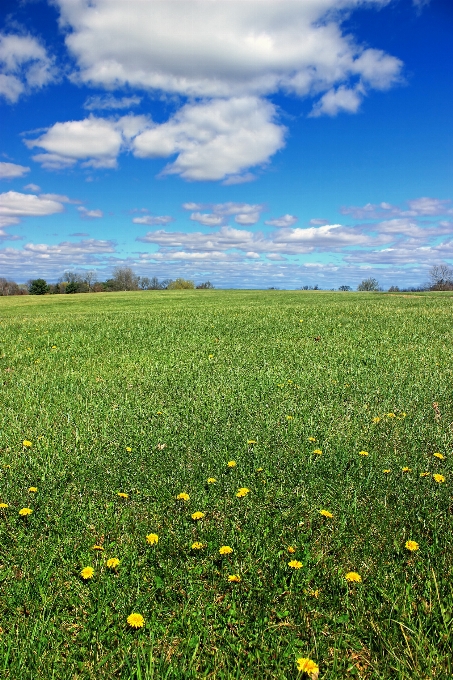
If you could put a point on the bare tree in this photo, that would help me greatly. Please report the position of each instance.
(90, 278)
(370, 285)
(441, 277)
(124, 279)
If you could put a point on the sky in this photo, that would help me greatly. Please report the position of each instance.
(251, 143)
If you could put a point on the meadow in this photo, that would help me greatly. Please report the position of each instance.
(308, 432)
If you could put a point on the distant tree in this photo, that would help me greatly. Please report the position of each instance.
(38, 287)
(345, 289)
(369, 285)
(90, 278)
(441, 277)
(205, 285)
(124, 279)
(9, 287)
(72, 287)
(181, 284)
(394, 289)
(165, 284)
(144, 282)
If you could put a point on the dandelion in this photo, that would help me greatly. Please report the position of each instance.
(325, 513)
(25, 511)
(406, 469)
(291, 549)
(307, 666)
(113, 562)
(211, 356)
(363, 453)
(386, 472)
(438, 455)
(3, 506)
(26, 444)
(295, 564)
(197, 545)
(376, 419)
(243, 491)
(87, 573)
(152, 539)
(411, 545)
(353, 576)
(234, 578)
(183, 496)
(197, 515)
(318, 452)
(439, 478)
(225, 550)
(289, 417)
(251, 441)
(33, 489)
(54, 347)
(311, 439)
(136, 620)
(259, 469)
(212, 480)
(97, 547)
(231, 463)
(128, 449)
(391, 415)
(123, 495)
(424, 474)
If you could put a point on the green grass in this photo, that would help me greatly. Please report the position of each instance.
(86, 377)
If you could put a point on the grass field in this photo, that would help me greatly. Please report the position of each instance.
(323, 400)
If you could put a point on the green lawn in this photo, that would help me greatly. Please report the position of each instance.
(150, 394)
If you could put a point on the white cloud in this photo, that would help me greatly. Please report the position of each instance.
(215, 139)
(95, 141)
(24, 66)
(153, 221)
(419, 207)
(283, 221)
(97, 103)
(59, 197)
(14, 204)
(33, 187)
(247, 218)
(207, 219)
(90, 214)
(318, 221)
(239, 179)
(11, 170)
(336, 100)
(221, 49)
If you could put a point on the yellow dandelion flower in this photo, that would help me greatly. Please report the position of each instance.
(3, 506)
(318, 452)
(33, 489)
(376, 419)
(438, 455)
(136, 620)
(87, 573)
(197, 515)
(259, 469)
(391, 415)
(307, 666)
(97, 547)
(325, 513)
(251, 441)
(212, 480)
(363, 453)
(291, 549)
(54, 347)
(311, 439)
(128, 448)
(353, 576)
(112, 563)
(439, 478)
(183, 496)
(197, 545)
(25, 511)
(152, 539)
(26, 444)
(406, 469)
(211, 356)
(234, 578)
(411, 545)
(295, 564)
(123, 495)
(231, 463)
(225, 550)
(424, 474)
(289, 417)
(386, 472)
(243, 491)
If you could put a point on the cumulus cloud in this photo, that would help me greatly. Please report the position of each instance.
(336, 100)
(283, 221)
(11, 170)
(86, 214)
(97, 103)
(15, 204)
(244, 214)
(207, 219)
(153, 221)
(419, 207)
(24, 66)
(221, 49)
(33, 187)
(213, 140)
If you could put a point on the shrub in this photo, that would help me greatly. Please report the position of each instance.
(38, 287)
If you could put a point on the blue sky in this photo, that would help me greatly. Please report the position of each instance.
(254, 143)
